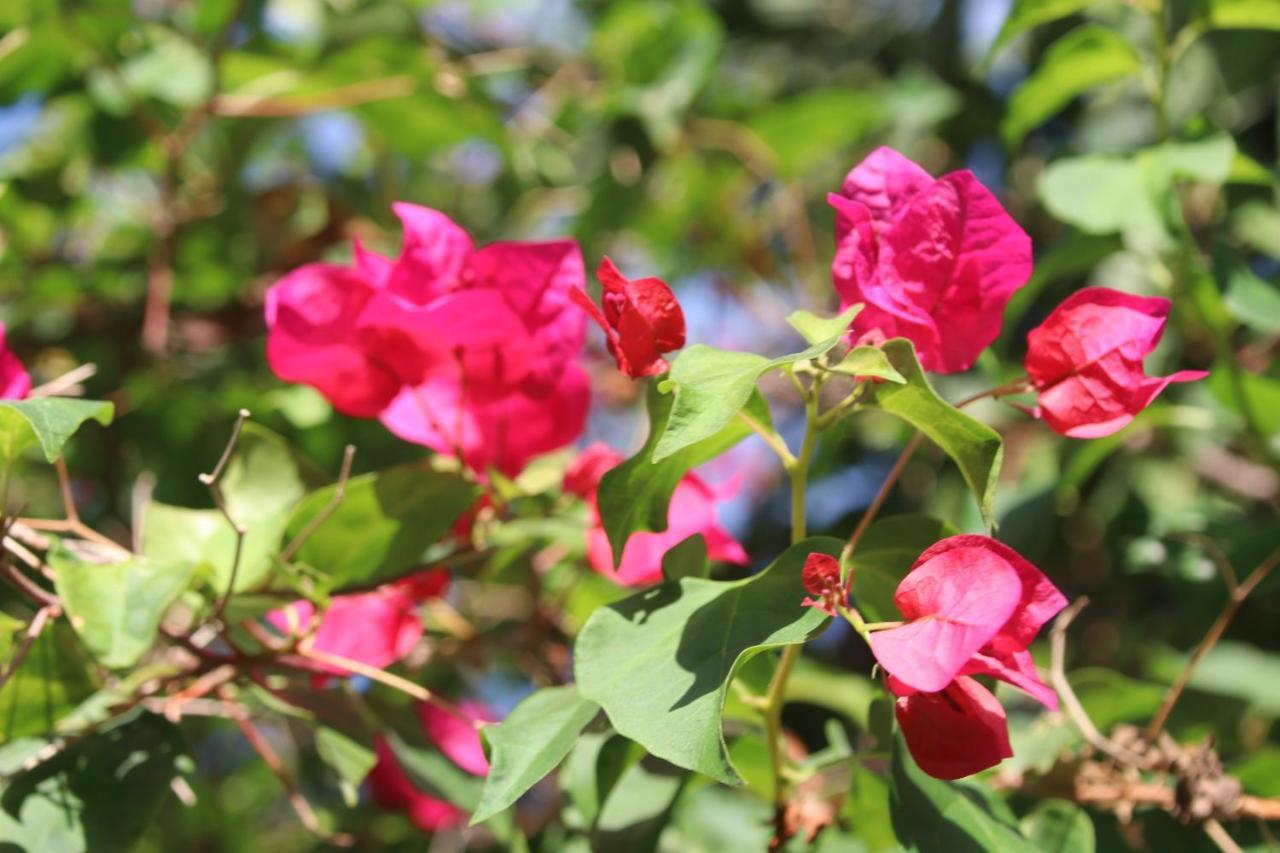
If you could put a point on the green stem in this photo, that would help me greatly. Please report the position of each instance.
(798, 473)
(1159, 95)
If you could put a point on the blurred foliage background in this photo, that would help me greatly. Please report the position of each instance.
(163, 161)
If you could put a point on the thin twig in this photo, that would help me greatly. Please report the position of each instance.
(212, 482)
(873, 508)
(1070, 702)
(28, 587)
(42, 617)
(1216, 554)
(1018, 386)
(381, 676)
(339, 492)
(288, 106)
(79, 528)
(64, 487)
(301, 808)
(1235, 598)
(66, 383)
(1218, 835)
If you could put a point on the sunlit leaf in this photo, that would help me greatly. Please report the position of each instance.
(46, 421)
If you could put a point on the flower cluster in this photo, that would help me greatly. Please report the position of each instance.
(972, 607)
(468, 351)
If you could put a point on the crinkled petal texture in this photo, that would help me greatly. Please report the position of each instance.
(1086, 361)
(15, 382)
(311, 320)
(641, 320)
(954, 733)
(692, 511)
(448, 344)
(374, 628)
(955, 603)
(502, 432)
(935, 261)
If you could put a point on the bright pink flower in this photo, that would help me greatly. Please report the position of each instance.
(15, 382)
(641, 320)
(376, 628)
(460, 742)
(935, 261)
(692, 510)
(956, 732)
(972, 605)
(821, 579)
(453, 347)
(1085, 359)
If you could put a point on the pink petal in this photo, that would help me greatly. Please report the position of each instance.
(956, 602)
(472, 336)
(458, 738)
(1090, 325)
(504, 432)
(954, 733)
(434, 256)
(537, 280)
(15, 382)
(644, 317)
(582, 478)
(1016, 668)
(956, 257)
(1038, 599)
(392, 789)
(372, 267)
(883, 183)
(375, 628)
(311, 315)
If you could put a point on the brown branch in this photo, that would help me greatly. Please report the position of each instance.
(873, 508)
(306, 815)
(1070, 702)
(1236, 597)
(288, 106)
(67, 383)
(339, 493)
(42, 617)
(28, 587)
(212, 481)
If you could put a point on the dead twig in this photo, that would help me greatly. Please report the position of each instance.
(212, 481)
(1236, 595)
(339, 493)
(42, 617)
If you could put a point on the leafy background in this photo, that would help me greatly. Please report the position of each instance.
(206, 147)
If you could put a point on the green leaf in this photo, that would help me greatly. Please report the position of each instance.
(384, 524)
(930, 814)
(529, 743)
(1028, 14)
(1243, 14)
(636, 495)
(594, 766)
(974, 446)
(848, 693)
(1059, 826)
(9, 627)
(711, 386)
(885, 555)
(352, 761)
(174, 534)
(99, 794)
(688, 559)
(818, 126)
(660, 662)
(1085, 58)
(817, 330)
(1249, 299)
(47, 421)
(265, 475)
(116, 607)
(869, 362)
(52, 680)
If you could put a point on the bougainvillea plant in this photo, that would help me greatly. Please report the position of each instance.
(315, 599)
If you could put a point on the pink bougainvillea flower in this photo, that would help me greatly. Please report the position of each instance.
(15, 382)
(821, 579)
(460, 742)
(450, 345)
(641, 320)
(955, 732)
(935, 261)
(1085, 359)
(972, 605)
(692, 511)
(375, 628)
